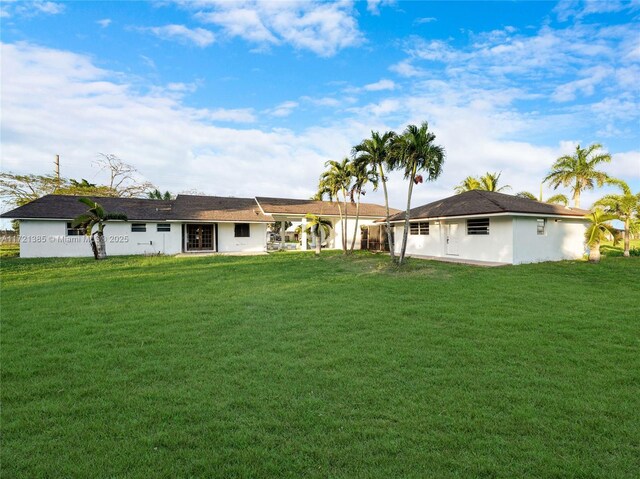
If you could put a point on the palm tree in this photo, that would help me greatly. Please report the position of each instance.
(487, 182)
(96, 216)
(415, 152)
(317, 226)
(624, 206)
(598, 231)
(558, 199)
(336, 182)
(377, 152)
(578, 171)
(362, 174)
(468, 184)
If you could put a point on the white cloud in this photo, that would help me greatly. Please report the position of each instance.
(373, 6)
(180, 148)
(566, 9)
(423, 20)
(592, 78)
(624, 165)
(198, 36)
(31, 8)
(405, 68)
(238, 115)
(284, 109)
(383, 84)
(325, 101)
(321, 27)
(104, 23)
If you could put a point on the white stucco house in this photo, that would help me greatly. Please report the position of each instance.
(493, 227)
(188, 224)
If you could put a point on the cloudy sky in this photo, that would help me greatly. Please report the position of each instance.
(252, 98)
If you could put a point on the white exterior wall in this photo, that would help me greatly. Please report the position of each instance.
(48, 238)
(497, 246)
(255, 243)
(563, 239)
(427, 245)
(511, 239)
(351, 226)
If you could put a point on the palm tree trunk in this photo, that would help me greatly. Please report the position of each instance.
(386, 205)
(355, 232)
(594, 252)
(94, 247)
(627, 237)
(341, 223)
(345, 237)
(100, 247)
(405, 233)
(576, 196)
(318, 239)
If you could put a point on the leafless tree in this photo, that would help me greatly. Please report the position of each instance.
(124, 179)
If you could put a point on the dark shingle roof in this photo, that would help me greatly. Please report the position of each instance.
(218, 208)
(184, 207)
(289, 206)
(476, 202)
(68, 207)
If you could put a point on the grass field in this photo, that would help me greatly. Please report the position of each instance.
(292, 366)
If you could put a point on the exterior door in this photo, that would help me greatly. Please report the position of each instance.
(199, 237)
(453, 229)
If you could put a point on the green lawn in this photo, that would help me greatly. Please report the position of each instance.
(292, 366)
(607, 248)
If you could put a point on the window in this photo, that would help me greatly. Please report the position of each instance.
(71, 231)
(479, 226)
(138, 227)
(163, 227)
(419, 228)
(242, 230)
(542, 226)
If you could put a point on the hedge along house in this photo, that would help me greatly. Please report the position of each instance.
(493, 227)
(188, 224)
(285, 209)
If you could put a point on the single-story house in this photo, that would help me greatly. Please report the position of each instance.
(187, 224)
(493, 227)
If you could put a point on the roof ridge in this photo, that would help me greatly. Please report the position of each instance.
(481, 193)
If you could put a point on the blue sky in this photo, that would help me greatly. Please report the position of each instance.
(251, 98)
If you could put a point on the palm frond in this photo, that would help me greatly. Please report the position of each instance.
(558, 199)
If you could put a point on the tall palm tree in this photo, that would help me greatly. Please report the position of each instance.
(96, 216)
(362, 173)
(558, 199)
(317, 226)
(415, 152)
(624, 206)
(578, 171)
(598, 231)
(336, 183)
(377, 152)
(468, 184)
